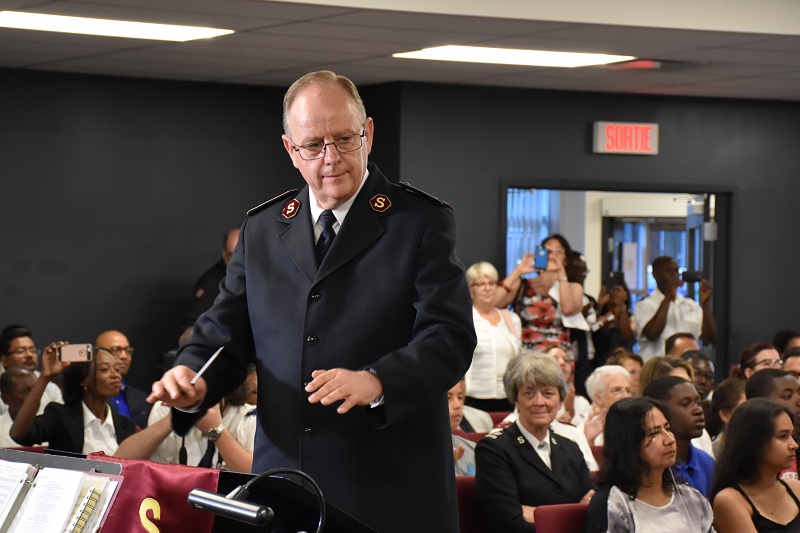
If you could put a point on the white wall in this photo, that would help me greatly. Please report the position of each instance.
(582, 215)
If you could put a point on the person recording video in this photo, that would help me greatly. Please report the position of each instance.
(665, 312)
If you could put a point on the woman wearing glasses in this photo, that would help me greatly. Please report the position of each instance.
(757, 357)
(498, 332)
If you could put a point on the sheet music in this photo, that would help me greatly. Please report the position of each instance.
(50, 501)
(12, 479)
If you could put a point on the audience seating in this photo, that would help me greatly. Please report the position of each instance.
(461, 433)
(498, 416)
(565, 518)
(475, 437)
(470, 516)
(597, 451)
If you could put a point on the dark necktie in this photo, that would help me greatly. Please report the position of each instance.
(326, 238)
(205, 461)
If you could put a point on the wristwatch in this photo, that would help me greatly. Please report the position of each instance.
(214, 433)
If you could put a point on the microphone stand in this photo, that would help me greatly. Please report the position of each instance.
(234, 504)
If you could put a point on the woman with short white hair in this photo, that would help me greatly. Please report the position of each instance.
(605, 386)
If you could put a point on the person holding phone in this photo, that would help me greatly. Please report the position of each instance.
(542, 301)
(665, 312)
(85, 423)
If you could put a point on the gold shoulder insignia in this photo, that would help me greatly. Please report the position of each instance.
(406, 186)
(493, 434)
(271, 201)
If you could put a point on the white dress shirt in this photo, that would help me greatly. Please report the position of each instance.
(98, 435)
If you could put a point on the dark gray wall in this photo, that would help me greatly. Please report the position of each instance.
(116, 194)
(116, 191)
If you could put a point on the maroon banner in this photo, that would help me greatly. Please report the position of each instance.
(152, 497)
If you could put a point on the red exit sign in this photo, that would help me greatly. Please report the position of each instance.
(633, 138)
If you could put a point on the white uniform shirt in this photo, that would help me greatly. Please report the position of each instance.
(98, 435)
(684, 316)
(237, 419)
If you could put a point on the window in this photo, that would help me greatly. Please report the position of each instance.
(532, 215)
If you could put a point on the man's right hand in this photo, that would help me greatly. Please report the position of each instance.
(175, 390)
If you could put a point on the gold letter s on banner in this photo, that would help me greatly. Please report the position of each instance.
(149, 504)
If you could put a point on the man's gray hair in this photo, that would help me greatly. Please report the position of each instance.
(534, 369)
(321, 77)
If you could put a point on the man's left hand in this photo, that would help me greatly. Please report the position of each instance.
(353, 387)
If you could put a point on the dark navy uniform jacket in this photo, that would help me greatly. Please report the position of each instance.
(510, 474)
(391, 296)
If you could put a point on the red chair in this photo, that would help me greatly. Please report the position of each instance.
(461, 433)
(475, 437)
(498, 416)
(564, 518)
(470, 516)
(597, 451)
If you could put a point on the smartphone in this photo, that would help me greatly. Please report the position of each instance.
(692, 276)
(542, 255)
(75, 353)
(615, 279)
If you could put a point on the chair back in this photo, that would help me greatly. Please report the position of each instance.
(478, 435)
(470, 516)
(498, 417)
(597, 451)
(564, 518)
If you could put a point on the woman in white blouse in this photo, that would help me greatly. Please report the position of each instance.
(499, 339)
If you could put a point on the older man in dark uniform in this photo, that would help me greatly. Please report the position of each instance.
(351, 297)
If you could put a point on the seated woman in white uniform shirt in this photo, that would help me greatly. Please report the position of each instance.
(499, 334)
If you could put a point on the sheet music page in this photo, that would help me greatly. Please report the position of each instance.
(12, 477)
(50, 501)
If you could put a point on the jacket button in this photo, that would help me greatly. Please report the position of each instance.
(305, 384)
(316, 296)
(312, 339)
(308, 431)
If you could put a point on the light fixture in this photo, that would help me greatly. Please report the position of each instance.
(106, 28)
(508, 56)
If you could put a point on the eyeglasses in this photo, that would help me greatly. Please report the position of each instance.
(485, 285)
(22, 351)
(116, 350)
(343, 144)
(769, 363)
